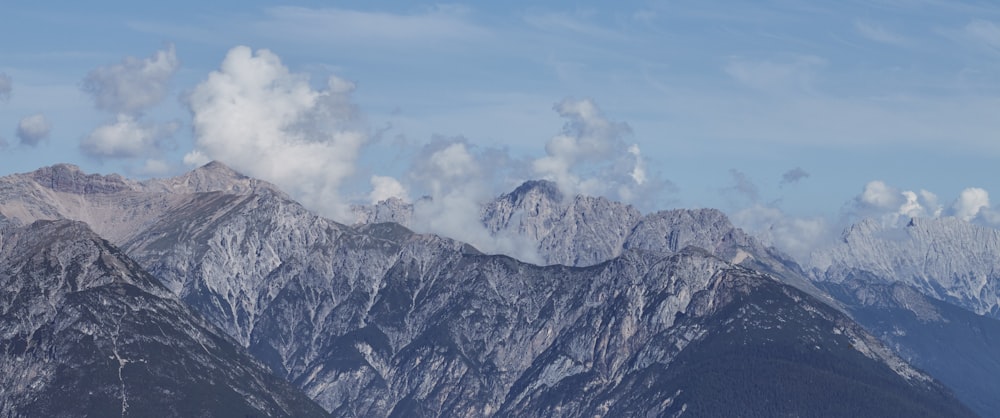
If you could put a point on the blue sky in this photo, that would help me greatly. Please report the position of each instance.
(722, 98)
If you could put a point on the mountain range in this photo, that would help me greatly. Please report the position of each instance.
(675, 313)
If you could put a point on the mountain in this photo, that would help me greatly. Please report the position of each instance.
(84, 331)
(113, 206)
(379, 321)
(957, 346)
(931, 291)
(375, 320)
(584, 231)
(948, 259)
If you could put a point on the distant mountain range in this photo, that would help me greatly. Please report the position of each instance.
(676, 313)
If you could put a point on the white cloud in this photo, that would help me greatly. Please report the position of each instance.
(384, 188)
(638, 173)
(5, 87)
(256, 116)
(126, 137)
(970, 203)
(459, 180)
(893, 207)
(879, 33)
(590, 157)
(879, 195)
(134, 84)
(127, 89)
(33, 129)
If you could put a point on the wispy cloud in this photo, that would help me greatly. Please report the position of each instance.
(879, 33)
(576, 24)
(742, 187)
(983, 32)
(796, 74)
(438, 25)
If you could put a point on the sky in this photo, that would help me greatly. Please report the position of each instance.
(794, 117)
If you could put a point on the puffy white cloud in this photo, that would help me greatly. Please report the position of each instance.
(587, 137)
(134, 84)
(126, 137)
(384, 187)
(5, 87)
(459, 179)
(590, 156)
(877, 194)
(33, 129)
(970, 203)
(892, 206)
(258, 117)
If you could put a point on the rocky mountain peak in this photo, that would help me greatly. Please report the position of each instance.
(534, 190)
(213, 177)
(69, 178)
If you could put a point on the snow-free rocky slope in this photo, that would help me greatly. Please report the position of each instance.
(84, 331)
(375, 320)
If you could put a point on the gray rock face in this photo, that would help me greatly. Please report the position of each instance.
(947, 259)
(374, 320)
(84, 331)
